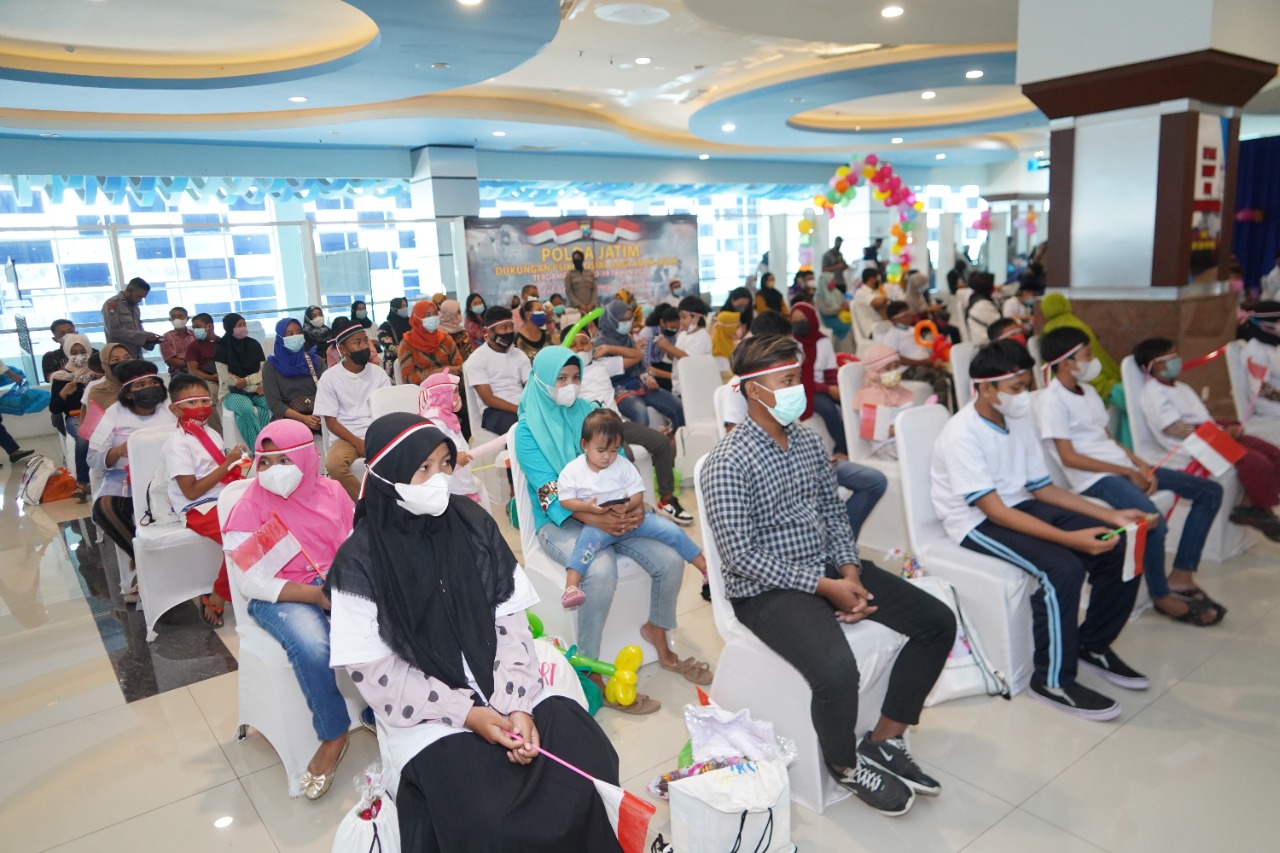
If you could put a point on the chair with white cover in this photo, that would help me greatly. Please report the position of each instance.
(173, 564)
(1242, 394)
(326, 438)
(493, 479)
(961, 358)
(751, 675)
(271, 699)
(721, 402)
(1226, 540)
(994, 595)
(630, 608)
(395, 398)
(230, 430)
(885, 529)
(699, 377)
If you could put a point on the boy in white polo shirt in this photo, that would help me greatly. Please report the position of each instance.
(918, 360)
(991, 488)
(342, 400)
(1073, 424)
(497, 372)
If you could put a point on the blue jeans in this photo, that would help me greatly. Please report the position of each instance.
(1206, 499)
(303, 630)
(592, 540)
(829, 410)
(82, 449)
(868, 486)
(636, 408)
(664, 565)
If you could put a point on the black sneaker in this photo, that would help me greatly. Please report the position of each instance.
(892, 756)
(1263, 520)
(706, 592)
(20, 455)
(1119, 673)
(671, 509)
(1077, 699)
(884, 792)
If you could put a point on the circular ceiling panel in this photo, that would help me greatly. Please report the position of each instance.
(921, 21)
(961, 103)
(632, 14)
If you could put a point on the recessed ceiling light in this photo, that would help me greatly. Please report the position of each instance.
(939, 156)
(299, 99)
(797, 100)
(223, 822)
(704, 156)
(897, 140)
(928, 96)
(891, 12)
(439, 65)
(50, 135)
(643, 60)
(499, 133)
(973, 75)
(470, 2)
(728, 127)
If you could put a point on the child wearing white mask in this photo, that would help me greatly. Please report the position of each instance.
(882, 388)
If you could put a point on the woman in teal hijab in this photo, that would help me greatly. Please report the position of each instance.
(547, 437)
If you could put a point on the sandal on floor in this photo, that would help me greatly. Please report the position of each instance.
(1196, 610)
(315, 787)
(132, 596)
(216, 609)
(693, 670)
(573, 596)
(1199, 595)
(642, 706)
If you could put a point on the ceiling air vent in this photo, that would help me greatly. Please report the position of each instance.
(854, 51)
(536, 148)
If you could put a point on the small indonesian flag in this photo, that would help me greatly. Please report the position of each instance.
(1135, 549)
(627, 230)
(1213, 448)
(567, 232)
(1257, 372)
(876, 422)
(539, 232)
(628, 814)
(604, 231)
(89, 421)
(267, 550)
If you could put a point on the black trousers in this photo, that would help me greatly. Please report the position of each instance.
(660, 450)
(114, 515)
(803, 629)
(497, 421)
(1061, 573)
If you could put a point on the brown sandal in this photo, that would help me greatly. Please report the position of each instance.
(642, 706)
(693, 670)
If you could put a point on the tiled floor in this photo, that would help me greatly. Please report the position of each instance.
(1189, 766)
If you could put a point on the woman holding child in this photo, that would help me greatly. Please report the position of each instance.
(548, 437)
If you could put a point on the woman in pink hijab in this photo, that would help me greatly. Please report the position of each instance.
(881, 386)
(283, 583)
(440, 402)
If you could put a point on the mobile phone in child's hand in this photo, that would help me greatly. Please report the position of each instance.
(614, 502)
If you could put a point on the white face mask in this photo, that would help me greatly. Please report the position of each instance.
(891, 378)
(317, 321)
(1014, 405)
(179, 324)
(585, 357)
(1087, 371)
(429, 498)
(567, 395)
(78, 360)
(281, 479)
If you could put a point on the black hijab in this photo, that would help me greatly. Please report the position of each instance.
(366, 322)
(436, 580)
(242, 357)
(396, 325)
(316, 336)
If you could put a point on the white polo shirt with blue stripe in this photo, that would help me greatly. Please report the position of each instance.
(974, 457)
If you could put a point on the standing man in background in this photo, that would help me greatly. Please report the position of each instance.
(580, 285)
(122, 320)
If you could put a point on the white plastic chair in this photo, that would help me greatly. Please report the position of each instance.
(173, 564)
(751, 675)
(326, 438)
(396, 398)
(720, 399)
(1242, 391)
(271, 699)
(885, 529)
(493, 479)
(699, 377)
(880, 329)
(230, 430)
(995, 595)
(961, 358)
(630, 608)
(1226, 540)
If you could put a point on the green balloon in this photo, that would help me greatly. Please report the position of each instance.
(535, 624)
(567, 339)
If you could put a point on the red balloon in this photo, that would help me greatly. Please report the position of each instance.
(895, 182)
(871, 159)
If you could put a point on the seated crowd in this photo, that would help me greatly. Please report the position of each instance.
(405, 582)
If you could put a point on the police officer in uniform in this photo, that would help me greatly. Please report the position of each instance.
(123, 321)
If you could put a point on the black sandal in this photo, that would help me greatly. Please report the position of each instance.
(1196, 610)
(1199, 595)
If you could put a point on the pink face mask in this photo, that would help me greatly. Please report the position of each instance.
(240, 332)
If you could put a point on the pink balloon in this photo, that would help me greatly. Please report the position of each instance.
(831, 213)
(871, 159)
(895, 182)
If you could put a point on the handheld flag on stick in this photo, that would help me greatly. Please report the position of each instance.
(1213, 448)
(1257, 375)
(268, 550)
(89, 420)
(876, 422)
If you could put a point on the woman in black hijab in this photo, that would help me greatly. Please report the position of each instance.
(360, 313)
(316, 329)
(239, 359)
(428, 618)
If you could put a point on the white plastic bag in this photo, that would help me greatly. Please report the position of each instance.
(968, 671)
(373, 826)
(744, 808)
(717, 733)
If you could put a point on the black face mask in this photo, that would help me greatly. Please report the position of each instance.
(800, 328)
(577, 264)
(504, 340)
(360, 357)
(149, 398)
(670, 333)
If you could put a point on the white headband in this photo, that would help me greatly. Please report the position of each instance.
(1066, 355)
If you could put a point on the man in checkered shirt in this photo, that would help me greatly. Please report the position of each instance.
(793, 576)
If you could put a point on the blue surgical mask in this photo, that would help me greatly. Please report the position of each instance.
(294, 343)
(362, 315)
(402, 313)
(199, 333)
(477, 309)
(1172, 368)
(789, 404)
(431, 323)
(538, 318)
(559, 309)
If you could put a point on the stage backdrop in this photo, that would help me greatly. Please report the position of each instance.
(640, 253)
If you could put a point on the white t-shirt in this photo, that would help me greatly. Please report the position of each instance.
(904, 341)
(620, 480)
(1260, 353)
(463, 482)
(824, 359)
(345, 395)
(973, 457)
(1165, 405)
(184, 454)
(506, 374)
(980, 317)
(1013, 308)
(117, 424)
(1081, 418)
(735, 407)
(597, 386)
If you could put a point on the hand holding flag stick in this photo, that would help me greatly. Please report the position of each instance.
(1149, 519)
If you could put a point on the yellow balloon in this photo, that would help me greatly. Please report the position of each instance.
(805, 226)
(844, 317)
(625, 676)
(868, 171)
(622, 694)
(631, 657)
(918, 205)
(842, 171)
(880, 195)
(819, 200)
